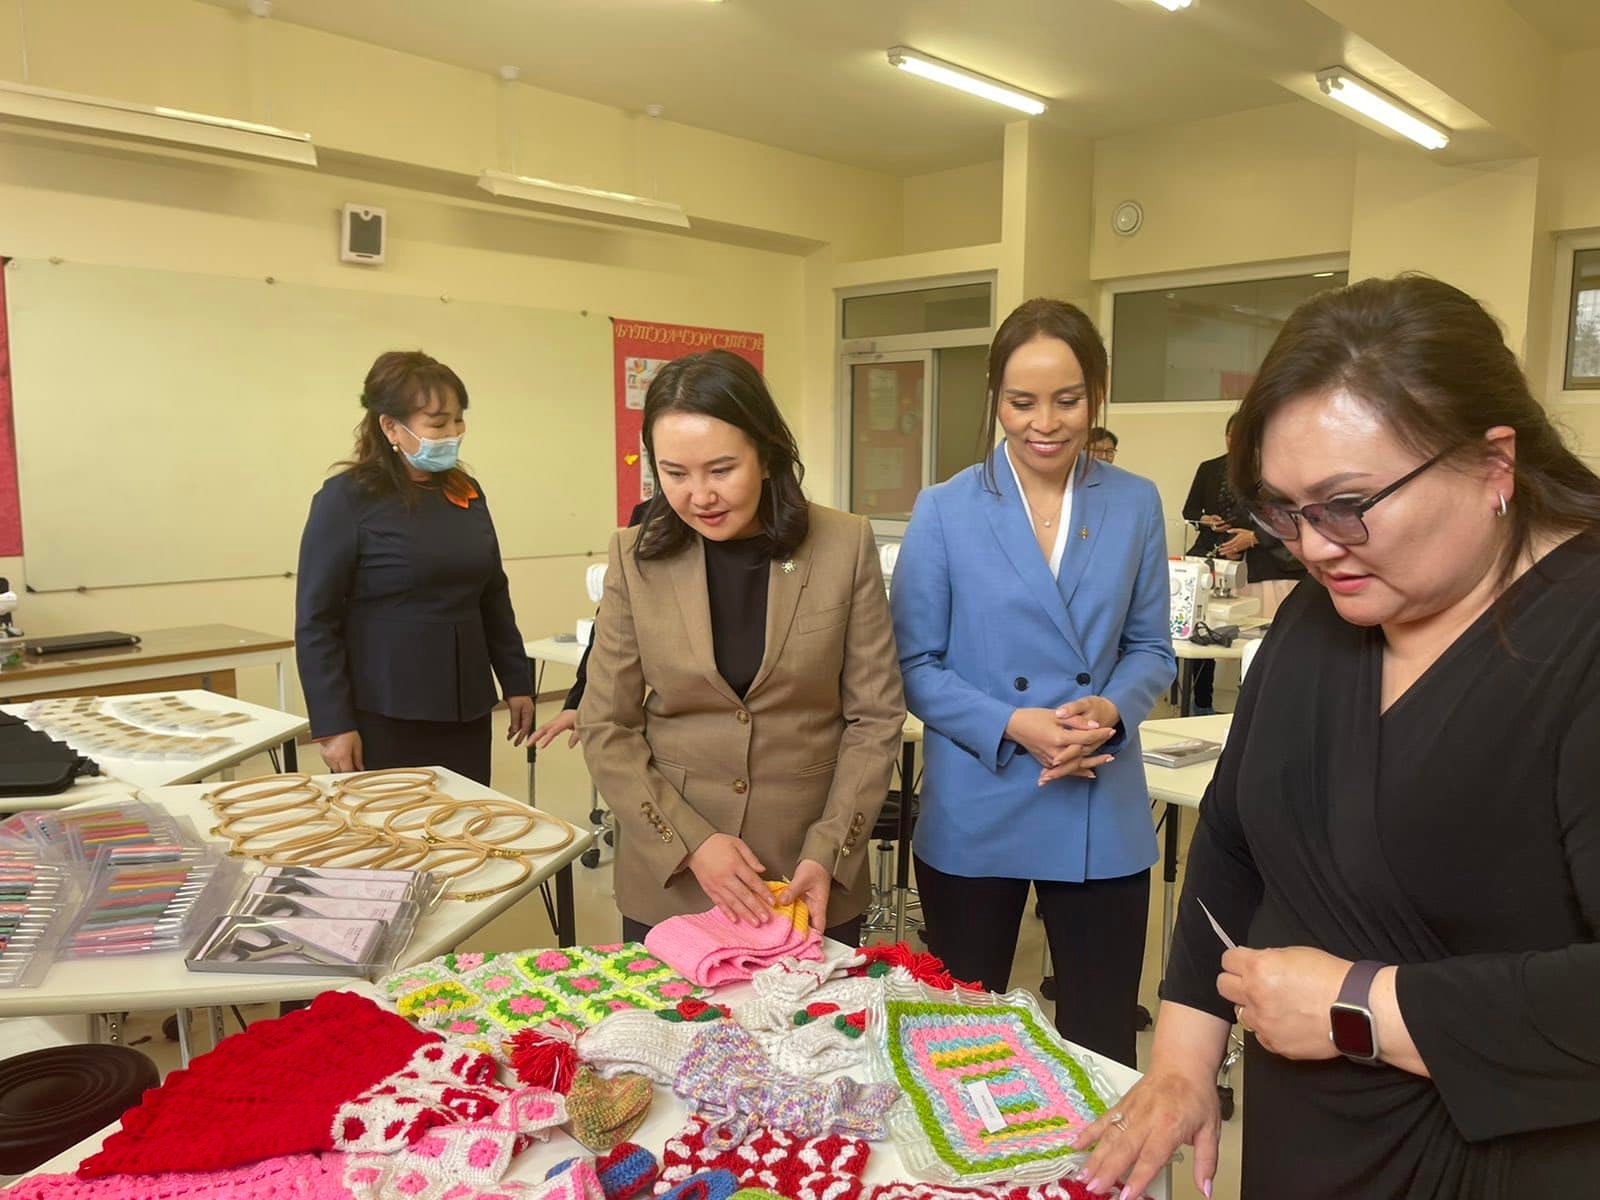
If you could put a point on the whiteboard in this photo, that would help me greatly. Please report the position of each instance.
(174, 426)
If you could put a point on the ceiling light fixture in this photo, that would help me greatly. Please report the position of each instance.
(925, 66)
(1338, 84)
(135, 122)
(1174, 5)
(589, 202)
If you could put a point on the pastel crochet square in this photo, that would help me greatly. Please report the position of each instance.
(993, 1091)
(433, 1004)
(631, 967)
(523, 1007)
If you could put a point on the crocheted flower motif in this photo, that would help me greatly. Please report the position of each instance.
(581, 986)
(940, 1053)
(693, 1010)
(434, 1004)
(632, 967)
(523, 1007)
(667, 993)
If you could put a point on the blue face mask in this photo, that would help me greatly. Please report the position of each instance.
(433, 454)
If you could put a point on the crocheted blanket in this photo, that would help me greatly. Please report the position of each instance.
(991, 1091)
(481, 999)
(824, 1168)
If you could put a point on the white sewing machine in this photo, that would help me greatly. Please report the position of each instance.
(1203, 589)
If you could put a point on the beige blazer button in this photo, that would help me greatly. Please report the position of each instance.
(742, 717)
(740, 786)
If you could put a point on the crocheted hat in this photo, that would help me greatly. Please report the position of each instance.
(293, 1177)
(726, 1076)
(602, 1112)
(638, 1043)
(712, 950)
(826, 1168)
(339, 1075)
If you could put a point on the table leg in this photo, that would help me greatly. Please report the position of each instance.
(218, 1030)
(1169, 881)
(1186, 687)
(291, 755)
(536, 669)
(185, 1052)
(902, 869)
(566, 918)
(283, 693)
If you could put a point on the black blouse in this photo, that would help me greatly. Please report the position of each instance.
(736, 581)
(1456, 835)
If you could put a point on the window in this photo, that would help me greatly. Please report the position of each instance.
(1205, 342)
(927, 310)
(1583, 323)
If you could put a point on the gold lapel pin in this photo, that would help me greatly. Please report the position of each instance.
(1084, 533)
(788, 566)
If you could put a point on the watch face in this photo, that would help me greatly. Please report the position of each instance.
(1352, 1031)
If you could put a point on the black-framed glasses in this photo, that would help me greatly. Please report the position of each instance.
(1337, 520)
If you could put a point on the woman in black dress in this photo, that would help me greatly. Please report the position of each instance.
(1404, 829)
(403, 616)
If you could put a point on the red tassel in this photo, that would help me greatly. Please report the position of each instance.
(544, 1058)
(924, 967)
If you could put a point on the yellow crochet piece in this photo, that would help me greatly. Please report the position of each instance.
(797, 913)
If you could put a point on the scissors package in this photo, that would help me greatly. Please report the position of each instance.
(417, 887)
(150, 903)
(300, 945)
(289, 904)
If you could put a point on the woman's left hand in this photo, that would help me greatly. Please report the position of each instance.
(1242, 540)
(1092, 713)
(1283, 997)
(521, 724)
(811, 883)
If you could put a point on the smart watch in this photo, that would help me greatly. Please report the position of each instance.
(1351, 1026)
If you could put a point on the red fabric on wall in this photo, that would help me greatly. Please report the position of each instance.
(10, 504)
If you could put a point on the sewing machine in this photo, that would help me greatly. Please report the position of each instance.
(10, 635)
(1204, 589)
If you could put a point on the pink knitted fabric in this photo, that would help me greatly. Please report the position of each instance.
(293, 1177)
(711, 950)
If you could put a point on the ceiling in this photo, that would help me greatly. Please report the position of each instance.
(1566, 24)
(810, 75)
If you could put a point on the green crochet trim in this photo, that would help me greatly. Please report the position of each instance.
(916, 1087)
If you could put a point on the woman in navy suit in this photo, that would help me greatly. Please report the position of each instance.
(1030, 607)
(403, 614)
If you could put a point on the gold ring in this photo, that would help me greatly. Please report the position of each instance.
(1117, 1119)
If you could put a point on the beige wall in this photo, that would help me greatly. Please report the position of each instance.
(959, 207)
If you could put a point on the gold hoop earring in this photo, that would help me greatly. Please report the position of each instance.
(1502, 503)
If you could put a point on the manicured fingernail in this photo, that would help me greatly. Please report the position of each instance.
(1206, 1188)
(1093, 1185)
(1126, 1194)
(1111, 758)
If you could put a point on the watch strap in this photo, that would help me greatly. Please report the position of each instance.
(1357, 987)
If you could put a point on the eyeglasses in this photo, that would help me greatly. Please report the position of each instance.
(1337, 520)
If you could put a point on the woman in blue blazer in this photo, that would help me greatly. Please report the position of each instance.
(1030, 606)
(403, 614)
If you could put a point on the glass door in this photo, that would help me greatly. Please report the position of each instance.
(890, 434)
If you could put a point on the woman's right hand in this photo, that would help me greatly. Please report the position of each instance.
(729, 872)
(1164, 1110)
(1054, 743)
(566, 721)
(342, 752)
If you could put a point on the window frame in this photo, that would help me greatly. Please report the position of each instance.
(1557, 388)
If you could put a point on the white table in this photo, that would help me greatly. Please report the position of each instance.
(266, 728)
(161, 981)
(1178, 788)
(667, 1115)
(1189, 655)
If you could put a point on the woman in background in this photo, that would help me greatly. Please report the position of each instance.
(403, 614)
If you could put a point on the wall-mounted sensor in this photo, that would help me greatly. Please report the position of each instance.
(363, 234)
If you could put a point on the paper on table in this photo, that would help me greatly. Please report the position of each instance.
(1220, 932)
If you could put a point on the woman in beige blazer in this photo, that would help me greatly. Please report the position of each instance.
(744, 707)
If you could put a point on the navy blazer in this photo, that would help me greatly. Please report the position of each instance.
(983, 629)
(402, 612)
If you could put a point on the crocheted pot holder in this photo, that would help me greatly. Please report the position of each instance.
(483, 999)
(991, 1091)
(1067, 1189)
(826, 1168)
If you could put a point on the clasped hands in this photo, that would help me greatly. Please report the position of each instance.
(1066, 741)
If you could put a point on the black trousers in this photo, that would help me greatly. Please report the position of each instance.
(1205, 677)
(1096, 934)
(848, 932)
(463, 746)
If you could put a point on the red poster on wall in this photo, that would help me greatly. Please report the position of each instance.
(10, 508)
(640, 349)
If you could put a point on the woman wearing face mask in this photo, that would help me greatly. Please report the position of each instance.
(1031, 612)
(403, 614)
(743, 710)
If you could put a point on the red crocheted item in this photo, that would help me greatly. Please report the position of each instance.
(278, 1088)
(1065, 1189)
(825, 1168)
(924, 967)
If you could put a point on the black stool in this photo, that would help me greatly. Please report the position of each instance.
(52, 1099)
(893, 870)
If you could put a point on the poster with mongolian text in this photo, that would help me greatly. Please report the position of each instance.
(640, 349)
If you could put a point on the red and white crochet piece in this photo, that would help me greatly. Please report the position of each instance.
(1066, 1189)
(440, 1085)
(377, 1177)
(825, 1168)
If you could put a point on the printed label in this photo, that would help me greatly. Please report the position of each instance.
(988, 1110)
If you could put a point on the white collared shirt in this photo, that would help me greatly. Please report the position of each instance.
(1062, 520)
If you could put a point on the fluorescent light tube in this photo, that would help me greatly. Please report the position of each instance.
(589, 202)
(1174, 5)
(40, 106)
(1372, 102)
(926, 66)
